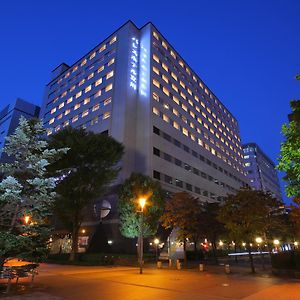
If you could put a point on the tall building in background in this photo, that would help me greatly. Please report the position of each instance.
(9, 120)
(261, 170)
(135, 87)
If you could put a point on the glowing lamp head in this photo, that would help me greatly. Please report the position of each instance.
(26, 219)
(296, 243)
(244, 244)
(221, 243)
(276, 242)
(156, 241)
(142, 202)
(258, 240)
(83, 230)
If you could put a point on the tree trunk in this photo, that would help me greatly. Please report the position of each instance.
(251, 260)
(74, 249)
(14, 219)
(184, 252)
(235, 257)
(214, 249)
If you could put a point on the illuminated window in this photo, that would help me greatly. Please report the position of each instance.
(92, 55)
(155, 35)
(192, 114)
(88, 88)
(77, 105)
(155, 70)
(63, 94)
(97, 94)
(185, 131)
(53, 110)
(74, 69)
(166, 91)
(193, 137)
(164, 45)
(175, 87)
(59, 116)
(100, 69)
(113, 40)
(102, 48)
(165, 67)
(70, 100)
(86, 101)
(111, 62)
(166, 118)
(61, 105)
(51, 120)
(95, 121)
(190, 92)
(173, 54)
(107, 101)
(181, 63)
(175, 99)
(67, 111)
(182, 84)
(106, 115)
(78, 94)
(49, 131)
(200, 142)
(66, 123)
(57, 128)
(83, 62)
(99, 81)
(174, 76)
(155, 97)
(175, 112)
(110, 74)
(108, 87)
(155, 110)
(96, 107)
(183, 95)
(165, 78)
(85, 113)
(72, 88)
(176, 125)
(166, 106)
(91, 76)
(81, 82)
(156, 83)
(184, 107)
(74, 119)
(155, 58)
(188, 71)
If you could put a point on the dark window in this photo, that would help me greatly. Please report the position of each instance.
(179, 183)
(167, 137)
(220, 169)
(105, 132)
(194, 153)
(201, 157)
(156, 151)
(167, 157)
(203, 175)
(188, 186)
(187, 167)
(168, 179)
(156, 130)
(208, 162)
(178, 162)
(177, 143)
(210, 178)
(205, 193)
(156, 175)
(215, 166)
(195, 171)
(197, 190)
(186, 148)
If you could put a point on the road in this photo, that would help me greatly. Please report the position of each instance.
(56, 282)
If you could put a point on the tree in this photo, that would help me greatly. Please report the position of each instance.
(247, 215)
(26, 190)
(84, 172)
(136, 186)
(209, 225)
(182, 213)
(289, 160)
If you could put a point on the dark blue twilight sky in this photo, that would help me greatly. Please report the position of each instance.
(247, 52)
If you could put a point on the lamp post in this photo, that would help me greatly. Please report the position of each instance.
(142, 202)
(156, 242)
(259, 241)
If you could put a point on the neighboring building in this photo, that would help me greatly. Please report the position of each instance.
(137, 88)
(261, 170)
(9, 120)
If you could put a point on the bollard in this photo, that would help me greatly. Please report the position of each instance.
(227, 269)
(178, 265)
(170, 263)
(159, 265)
(201, 267)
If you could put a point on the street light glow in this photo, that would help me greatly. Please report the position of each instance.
(276, 242)
(142, 202)
(156, 241)
(26, 219)
(258, 240)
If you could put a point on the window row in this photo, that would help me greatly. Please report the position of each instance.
(73, 120)
(199, 120)
(200, 142)
(189, 168)
(194, 81)
(89, 57)
(81, 79)
(180, 145)
(184, 185)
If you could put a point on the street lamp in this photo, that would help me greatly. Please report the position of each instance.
(156, 242)
(26, 220)
(142, 202)
(259, 240)
(276, 242)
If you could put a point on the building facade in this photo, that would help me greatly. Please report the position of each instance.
(261, 170)
(137, 88)
(9, 120)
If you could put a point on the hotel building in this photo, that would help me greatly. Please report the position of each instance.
(261, 170)
(135, 87)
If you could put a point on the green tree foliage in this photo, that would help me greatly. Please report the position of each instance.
(84, 172)
(249, 214)
(26, 190)
(182, 213)
(135, 187)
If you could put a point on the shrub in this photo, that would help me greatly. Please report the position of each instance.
(286, 260)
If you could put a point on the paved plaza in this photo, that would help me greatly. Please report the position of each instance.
(77, 283)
